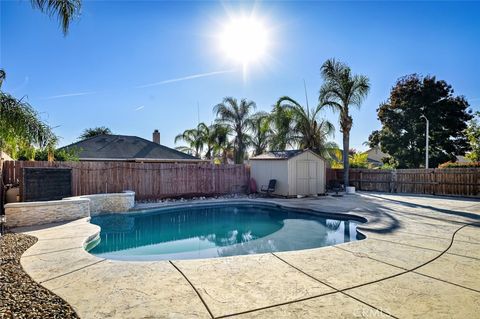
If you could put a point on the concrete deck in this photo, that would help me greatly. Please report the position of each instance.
(421, 258)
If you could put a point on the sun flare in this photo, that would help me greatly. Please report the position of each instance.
(245, 40)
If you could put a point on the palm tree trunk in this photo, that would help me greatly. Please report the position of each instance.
(240, 150)
(224, 155)
(346, 163)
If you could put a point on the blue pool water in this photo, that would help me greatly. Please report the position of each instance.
(216, 231)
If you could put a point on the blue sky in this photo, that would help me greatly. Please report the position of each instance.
(100, 73)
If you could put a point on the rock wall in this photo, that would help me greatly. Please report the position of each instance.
(108, 203)
(38, 213)
(71, 208)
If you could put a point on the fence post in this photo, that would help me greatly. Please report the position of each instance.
(476, 176)
(360, 181)
(393, 181)
(433, 180)
(2, 188)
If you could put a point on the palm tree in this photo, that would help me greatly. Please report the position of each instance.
(282, 127)
(307, 131)
(21, 126)
(96, 131)
(195, 138)
(215, 139)
(64, 10)
(236, 115)
(3, 76)
(261, 132)
(341, 90)
(222, 147)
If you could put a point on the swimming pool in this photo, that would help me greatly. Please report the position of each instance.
(207, 231)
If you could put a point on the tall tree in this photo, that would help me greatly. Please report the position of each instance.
(21, 126)
(402, 135)
(3, 76)
(473, 136)
(340, 91)
(306, 129)
(221, 145)
(282, 126)
(261, 132)
(64, 10)
(95, 131)
(195, 138)
(237, 115)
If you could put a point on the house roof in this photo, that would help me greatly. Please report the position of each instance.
(123, 147)
(281, 155)
(4, 156)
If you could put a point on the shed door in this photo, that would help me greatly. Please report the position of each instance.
(306, 177)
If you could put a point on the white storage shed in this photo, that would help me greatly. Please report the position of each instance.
(298, 172)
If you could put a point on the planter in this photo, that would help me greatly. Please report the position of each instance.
(350, 190)
(12, 195)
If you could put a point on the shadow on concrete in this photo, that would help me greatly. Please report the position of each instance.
(472, 216)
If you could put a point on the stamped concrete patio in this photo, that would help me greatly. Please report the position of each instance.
(421, 258)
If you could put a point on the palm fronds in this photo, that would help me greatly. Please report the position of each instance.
(236, 115)
(20, 125)
(305, 129)
(64, 10)
(95, 131)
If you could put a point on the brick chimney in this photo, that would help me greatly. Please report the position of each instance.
(156, 137)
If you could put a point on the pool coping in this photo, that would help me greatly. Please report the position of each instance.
(81, 231)
(262, 201)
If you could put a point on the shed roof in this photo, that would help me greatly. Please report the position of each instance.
(281, 155)
(124, 147)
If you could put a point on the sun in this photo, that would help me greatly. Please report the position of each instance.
(245, 40)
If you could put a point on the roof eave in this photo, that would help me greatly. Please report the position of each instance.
(158, 160)
(269, 159)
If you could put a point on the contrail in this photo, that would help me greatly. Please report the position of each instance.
(185, 78)
(139, 108)
(68, 95)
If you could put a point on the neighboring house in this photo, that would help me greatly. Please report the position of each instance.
(4, 157)
(375, 156)
(462, 159)
(298, 172)
(128, 148)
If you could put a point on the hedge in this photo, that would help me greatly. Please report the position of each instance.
(460, 165)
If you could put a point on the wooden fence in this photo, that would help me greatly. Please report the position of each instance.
(439, 181)
(150, 181)
(2, 195)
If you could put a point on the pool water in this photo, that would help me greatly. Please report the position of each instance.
(216, 231)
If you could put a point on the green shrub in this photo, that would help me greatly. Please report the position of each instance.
(359, 160)
(460, 165)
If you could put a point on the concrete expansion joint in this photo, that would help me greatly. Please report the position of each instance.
(51, 252)
(193, 287)
(452, 240)
(71, 272)
(342, 291)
